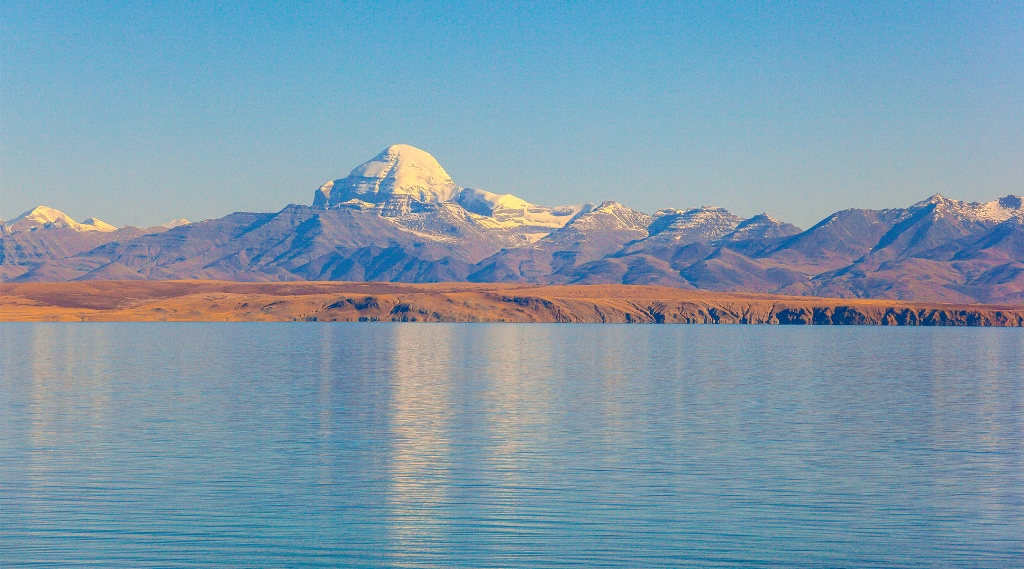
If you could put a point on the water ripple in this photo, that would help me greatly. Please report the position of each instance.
(308, 445)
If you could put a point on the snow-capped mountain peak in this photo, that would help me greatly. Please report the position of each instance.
(399, 171)
(995, 211)
(705, 223)
(611, 215)
(403, 179)
(43, 217)
(761, 226)
(99, 225)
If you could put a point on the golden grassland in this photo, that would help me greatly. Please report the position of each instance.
(219, 301)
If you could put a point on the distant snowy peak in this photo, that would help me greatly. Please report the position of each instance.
(761, 226)
(98, 225)
(40, 217)
(43, 217)
(708, 224)
(993, 212)
(175, 223)
(704, 224)
(400, 170)
(610, 216)
(508, 209)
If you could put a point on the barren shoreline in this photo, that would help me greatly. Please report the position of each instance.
(219, 301)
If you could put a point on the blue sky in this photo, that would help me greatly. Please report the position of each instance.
(141, 112)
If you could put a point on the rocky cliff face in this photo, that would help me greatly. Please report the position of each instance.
(401, 217)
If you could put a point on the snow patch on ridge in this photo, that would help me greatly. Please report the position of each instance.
(508, 210)
(175, 223)
(484, 203)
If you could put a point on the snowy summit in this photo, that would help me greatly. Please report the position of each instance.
(400, 170)
(43, 217)
(403, 173)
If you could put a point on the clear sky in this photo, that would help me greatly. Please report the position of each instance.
(140, 112)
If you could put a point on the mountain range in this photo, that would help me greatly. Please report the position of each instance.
(400, 217)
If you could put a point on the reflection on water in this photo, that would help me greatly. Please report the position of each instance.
(419, 473)
(510, 445)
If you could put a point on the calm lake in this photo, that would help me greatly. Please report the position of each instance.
(414, 445)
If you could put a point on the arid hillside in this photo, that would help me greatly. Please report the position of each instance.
(213, 301)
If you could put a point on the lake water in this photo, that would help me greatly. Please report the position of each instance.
(412, 445)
